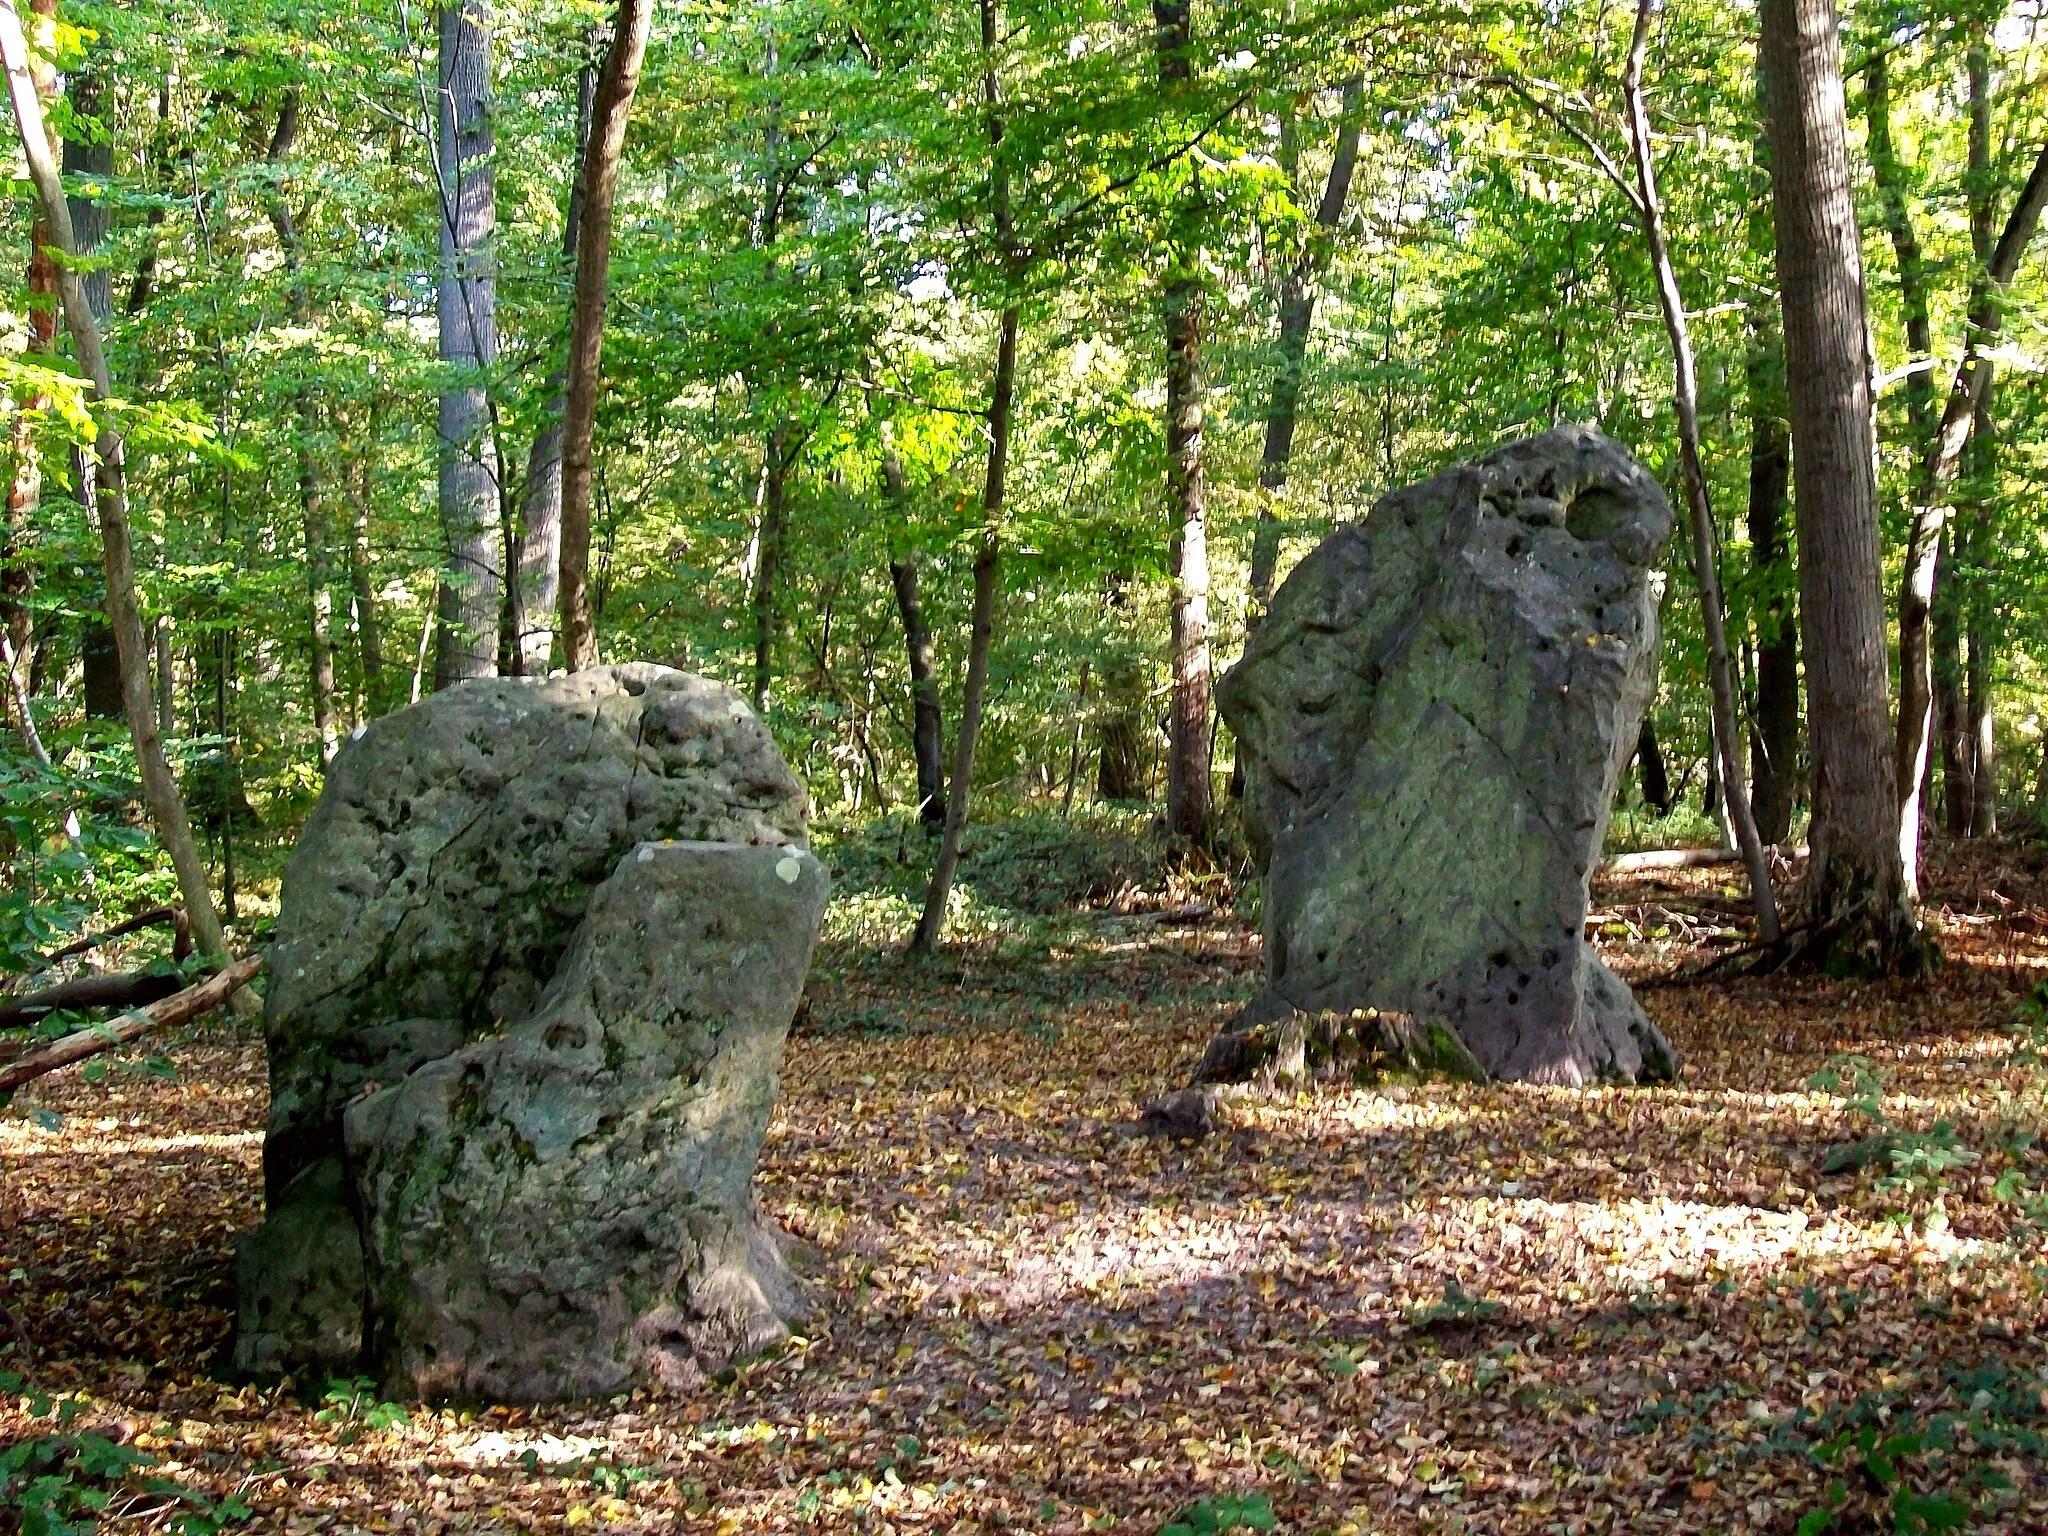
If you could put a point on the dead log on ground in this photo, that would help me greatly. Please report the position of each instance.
(177, 1009)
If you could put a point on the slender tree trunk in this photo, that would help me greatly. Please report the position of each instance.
(362, 575)
(1685, 396)
(1187, 778)
(25, 486)
(1652, 776)
(1951, 722)
(1943, 451)
(613, 104)
(312, 492)
(538, 562)
(1297, 314)
(159, 787)
(472, 533)
(768, 560)
(1774, 744)
(1857, 902)
(927, 725)
(931, 921)
(1978, 545)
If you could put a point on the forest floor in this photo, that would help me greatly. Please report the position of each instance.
(1410, 1307)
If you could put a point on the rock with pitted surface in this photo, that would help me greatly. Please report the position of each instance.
(1433, 718)
(567, 1209)
(438, 885)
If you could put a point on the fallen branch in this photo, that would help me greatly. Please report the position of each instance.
(1668, 858)
(108, 989)
(154, 917)
(178, 1009)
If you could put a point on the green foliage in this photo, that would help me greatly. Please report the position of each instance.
(352, 1406)
(1222, 1513)
(63, 1484)
(1458, 1308)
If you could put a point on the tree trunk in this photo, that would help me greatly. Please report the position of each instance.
(25, 485)
(312, 494)
(1951, 717)
(362, 575)
(768, 561)
(613, 104)
(1774, 743)
(1685, 397)
(538, 562)
(159, 787)
(1943, 451)
(1297, 314)
(927, 725)
(1857, 903)
(472, 535)
(931, 921)
(1977, 542)
(1651, 775)
(1187, 778)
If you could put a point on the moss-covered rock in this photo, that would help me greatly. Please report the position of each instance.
(433, 894)
(1433, 717)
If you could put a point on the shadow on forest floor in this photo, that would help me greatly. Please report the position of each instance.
(1421, 1307)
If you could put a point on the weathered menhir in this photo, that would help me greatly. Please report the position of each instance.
(536, 956)
(1434, 716)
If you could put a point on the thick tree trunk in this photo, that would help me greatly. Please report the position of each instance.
(538, 562)
(613, 104)
(1297, 314)
(159, 787)
(1857, 902)
(927, 725)
(472, 535)
(1187, 776)
(1685, 397)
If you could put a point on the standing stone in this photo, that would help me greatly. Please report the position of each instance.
(1434, 715)
(567, 1209)
(432, 897)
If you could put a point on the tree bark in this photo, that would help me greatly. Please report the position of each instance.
(1685, 398)
(1297, 314)
(927, 724)
(931, 921)
(472, 534)
(1187, 777)
(538, 563)
(611, 107)
(1857, 902)
(1951, 724)
(159, 787)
